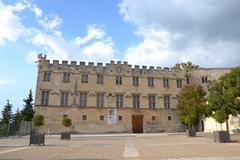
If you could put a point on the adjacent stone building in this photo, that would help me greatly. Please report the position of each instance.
(113, 98)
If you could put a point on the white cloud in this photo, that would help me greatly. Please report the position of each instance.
(37, 11)
(96, 46)
(11, 27)
(204, 32)
(31, 56)
(5, 82)
(100, 51)
(19, 6)
(50, 22)
(54, 46)
(152, 51)
(157, 49)
(93, 32)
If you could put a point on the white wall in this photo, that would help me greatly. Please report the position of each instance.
(211, 125)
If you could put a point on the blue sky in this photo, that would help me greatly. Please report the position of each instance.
(145, 32)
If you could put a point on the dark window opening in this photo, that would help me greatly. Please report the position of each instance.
(120, 118)
(65, 116)
(169, 118)
(101, 118)
(47, 76)
(84, 117)
(153, 118)
(119, 80)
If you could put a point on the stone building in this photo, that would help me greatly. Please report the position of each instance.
(115, 97)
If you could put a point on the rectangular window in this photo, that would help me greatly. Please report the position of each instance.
(84, 78)
(45, 98)
(119, 100)
(135, 81)
(151, 100)
(119, 80)
(153, 118)
(66, 77)
(179, 83)
(150, 82)
(204, 79)
(166, 102)
(120, 118)
(84, 117)
(187, 79)
(83, 99)
(169, 118)
(47, 76)
(64, 98)
(165, 82)
(101, 117)
(136, 101)
(65, 116)
(100, 99)
(99, 79)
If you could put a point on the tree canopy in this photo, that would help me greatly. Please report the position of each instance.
(191, 104)
(38, 120)
(28, 110)
(67, 122)
(188, 66)
(224, 96)
(7, 115)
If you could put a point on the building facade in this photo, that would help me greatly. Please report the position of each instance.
(113, 98)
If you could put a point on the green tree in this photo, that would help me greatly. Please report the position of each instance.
(224, 96)
(188, 66)
(28, 110)
(38, 120)
(67, 122)
(16, 122)
(191, 105)
(7, 114)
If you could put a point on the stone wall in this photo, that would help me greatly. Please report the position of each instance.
(54, 112)
(93, 124)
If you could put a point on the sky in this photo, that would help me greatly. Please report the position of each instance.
(142, 32)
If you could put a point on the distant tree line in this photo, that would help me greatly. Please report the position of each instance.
(10, 122)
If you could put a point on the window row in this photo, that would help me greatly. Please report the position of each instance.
(120, 117)
(119, 81)
(64, 100)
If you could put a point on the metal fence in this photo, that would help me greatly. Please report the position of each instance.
(15, 129)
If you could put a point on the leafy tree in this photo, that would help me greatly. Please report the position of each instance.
(7, 115)
(16, 122)
(38, 120)
(191, 105)
(3, 129)
(188, 66)
(67, 122)
(224, 96)
(28, 110)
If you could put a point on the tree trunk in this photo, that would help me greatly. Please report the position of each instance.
(227, 125)
(221, 126)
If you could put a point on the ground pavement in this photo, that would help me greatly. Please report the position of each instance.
(122, 147)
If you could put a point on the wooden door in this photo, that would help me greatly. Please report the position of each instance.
(137, 123)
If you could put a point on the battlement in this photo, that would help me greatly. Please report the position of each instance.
(42, 57)
(113, 64)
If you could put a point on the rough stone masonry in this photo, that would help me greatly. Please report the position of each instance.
(113, 98)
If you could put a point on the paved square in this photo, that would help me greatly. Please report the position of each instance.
(122, 147)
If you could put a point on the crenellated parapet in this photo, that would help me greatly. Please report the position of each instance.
(112, 68)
